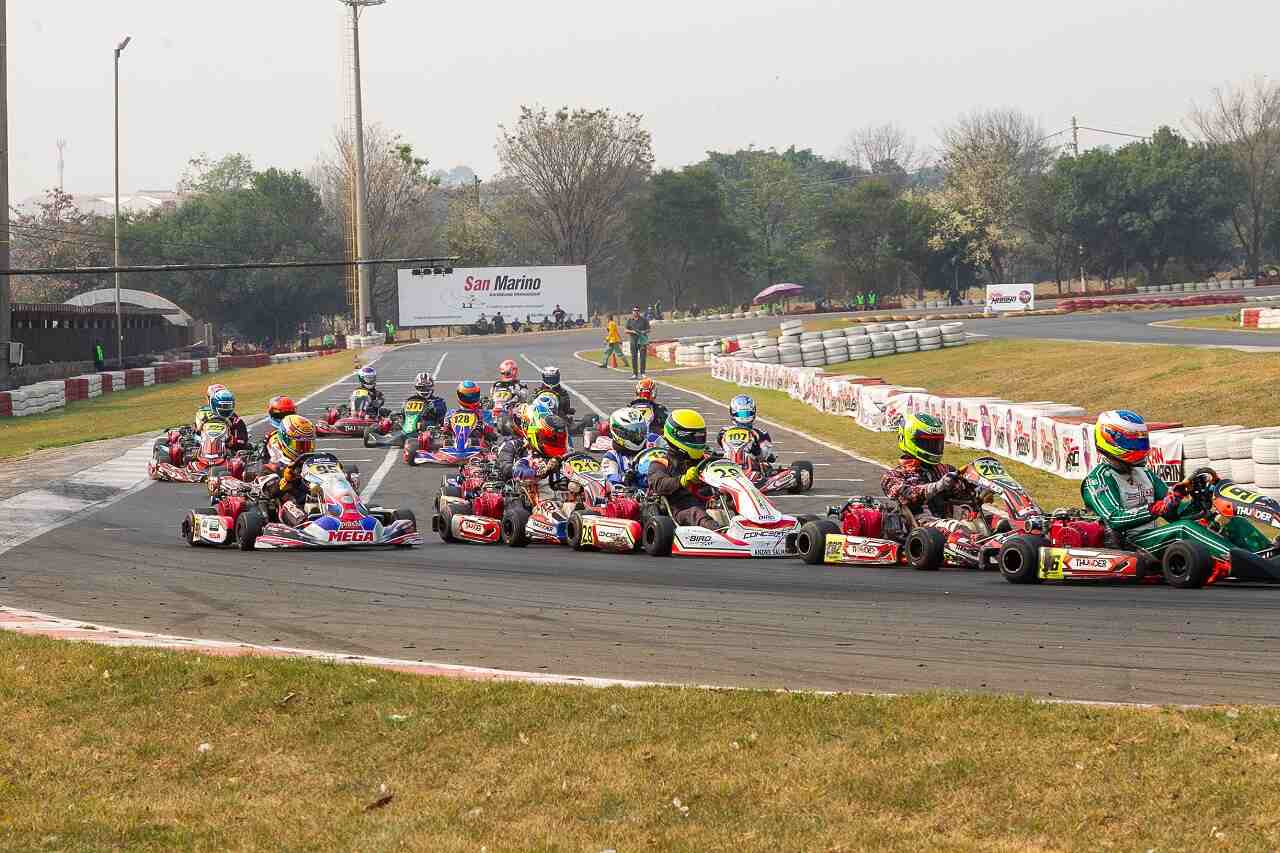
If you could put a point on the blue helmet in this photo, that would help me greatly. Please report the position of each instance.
(368, 376)
(743, 410)
(223, 403)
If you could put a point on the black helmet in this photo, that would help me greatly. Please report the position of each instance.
(551, 377)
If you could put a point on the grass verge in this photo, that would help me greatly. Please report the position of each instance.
(1222, 323)
(1196, 386)
(158, 406)
(149, 750)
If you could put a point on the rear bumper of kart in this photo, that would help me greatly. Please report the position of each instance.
(842, 550)
(167, 473)
(760, 544)
(345, 427)
(480, 529)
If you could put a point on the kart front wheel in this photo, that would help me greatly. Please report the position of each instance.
(811, 541)
(444, 524)
(370, 437)
(1020, 558)
(405, 515)
(659, 534)
(576, 523)
(249, 526)
(924, 549)
(1186, 565)
(188, 528)
(514, 523)
(803, 479)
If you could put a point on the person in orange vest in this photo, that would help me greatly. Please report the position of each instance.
(613, 345)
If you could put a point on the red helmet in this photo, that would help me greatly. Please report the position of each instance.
(281, 406)
(646, 389)
(548, 435)
(509, 371)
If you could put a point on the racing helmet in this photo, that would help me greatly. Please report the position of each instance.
(1121, 436)
(646, 389)
(551, 376)
(469, 395)
(297, 436)
(509, 371)
(686, 433)
(629, 429)
(922, 437)
(640, 466)
(367, 376)
(213, 389)
(548, 435)
(280, 406)
(424, 384)
(547, 402)
(743, 410)
(223, 403)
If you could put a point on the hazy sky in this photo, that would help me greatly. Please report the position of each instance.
(264, 77)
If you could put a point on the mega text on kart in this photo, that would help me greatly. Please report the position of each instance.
(875, 531)
(1036, 555)
(452, 443)
(336, 517)
(750, 525)
(798, 477)
(579, 509)
(351, 418)
(182, 456)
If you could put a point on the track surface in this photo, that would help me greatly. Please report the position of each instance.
(755, 623)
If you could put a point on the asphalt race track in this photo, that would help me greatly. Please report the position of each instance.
(728, 622)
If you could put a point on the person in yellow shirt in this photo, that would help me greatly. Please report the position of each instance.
(613, 344)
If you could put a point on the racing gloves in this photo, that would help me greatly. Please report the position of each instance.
(689, 477)
(941, 487)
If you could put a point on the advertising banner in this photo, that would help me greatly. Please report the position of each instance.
(459, 298)
(1167, 455)
(1011, 297)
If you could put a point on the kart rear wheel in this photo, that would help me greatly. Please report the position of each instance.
(803, 481)
(405, 515)
(659, 534)
(249, 527)
(444, 522)
(514, 523)
(188, 528)
(1186, 565)
(575, 526)
(370, 437)
(1019, 558)
(924, 549)
(811, 541)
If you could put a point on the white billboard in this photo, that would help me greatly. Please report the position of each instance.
(1011, 297)
(459, 298)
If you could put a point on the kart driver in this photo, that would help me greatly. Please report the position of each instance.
(551, 385)
(280, 482)
(206, 411)
(368, 379)
(647, 398)
(223, 405)
(676, 465)
(278, 409)
(629, 430)
(434, 408)
(509, 379)
(742, 409)
(1134, 503)
(547, 441)
(469, 401)
(921, 480)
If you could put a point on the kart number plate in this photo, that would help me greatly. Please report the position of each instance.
(737, 435)
(464, 420)
(323, 468)
(584, 465)
(721, 468)
(215, 428)
(1051, 563)
(413, 407)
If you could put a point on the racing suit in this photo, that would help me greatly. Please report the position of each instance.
(202, 414)
(280, 482)
(434, 409)
(1131, 504)
(535, 473)
(515, 386)
(761, 444)
(667, 478)
(507, 453)
(617, 466)
(237, 434)
(918, 486)
(564, 408)
(376, 401)
(484, 426)
(658, 416)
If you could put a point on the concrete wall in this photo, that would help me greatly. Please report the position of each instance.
(32, 373)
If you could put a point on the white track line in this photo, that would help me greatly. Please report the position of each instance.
(378, 476)
(435, 374)
(584, 398)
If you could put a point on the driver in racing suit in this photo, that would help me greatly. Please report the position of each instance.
(206, 411)
(223, 405)
(647, 398)
(628, 430)
(551, 385)
(368, 379)
(469, 401)
(921, 480)
(676, 465)
(742, 409)
(509, 379)
(434, 409)
(546, 443)
(280, 481)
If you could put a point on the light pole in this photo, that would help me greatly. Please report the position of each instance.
(119, 325)
(361, 214)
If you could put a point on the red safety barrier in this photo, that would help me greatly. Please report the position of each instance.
(6, 405)
(133, 378)
(76, 389)
(1249, 317)
(108, 383)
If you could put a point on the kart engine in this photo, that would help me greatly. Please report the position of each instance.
(488, 504)
(1075, 533)
(862, 521)
(620, 506)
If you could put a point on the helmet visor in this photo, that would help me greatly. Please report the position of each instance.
(930, 445)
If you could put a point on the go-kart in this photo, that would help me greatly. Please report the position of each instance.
(336, 517)
(584, 512)
(452, 443)
(1216, 505)
(736, 445)
(351, 418)
(876, 531)
(750, 525)
(182, 456)
(393, 430)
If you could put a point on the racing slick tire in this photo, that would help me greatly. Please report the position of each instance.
(188, 529)
(659, 533)
(924, 549)
(811, 541)
(249, 526)
(410, 449)
(575, 530)
(1186, 565)
(444, 523)
(804, 477)
(370, 439)
(405, 515)
(514, 523)
(451, 490)
(1019, 558)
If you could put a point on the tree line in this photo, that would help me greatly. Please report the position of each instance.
(1000, 199)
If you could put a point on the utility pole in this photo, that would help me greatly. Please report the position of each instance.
(1075, 137)
(4, 196)
(62, 165)
(361, 211)
(119, 323)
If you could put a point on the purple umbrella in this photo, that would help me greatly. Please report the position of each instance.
(775, 292)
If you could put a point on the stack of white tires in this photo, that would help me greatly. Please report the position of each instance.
(835, 346)
(953, 334)
(859, 343)
(929, 337)
(811, 350)
(905, 340)
(38, 398)
(1265, 453)
(882, 344)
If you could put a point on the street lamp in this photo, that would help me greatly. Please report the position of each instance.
(119, 325)
(361, 216)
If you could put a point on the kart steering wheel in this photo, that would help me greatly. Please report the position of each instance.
(1200, 486)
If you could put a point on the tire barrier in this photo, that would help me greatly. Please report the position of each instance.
(1260, 318)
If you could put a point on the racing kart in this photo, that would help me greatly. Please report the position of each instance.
(183, 456)
(876, 531)
(242, 516)
(451, 443)
(749, 524)
(1039, 554)
(351, 418)
(395, 429)
(797, 478)
(584, 512)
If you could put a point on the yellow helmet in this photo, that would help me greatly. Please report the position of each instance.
(686, 432)
(297, 436)
(922, 437)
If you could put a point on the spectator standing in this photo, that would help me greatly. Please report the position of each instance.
(99, 357)
(499, 324)
(638, 330)
(391, 331)
(304, 336)
(613, 344)
(558, 315)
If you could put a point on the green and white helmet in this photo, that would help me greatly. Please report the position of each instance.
(629, 428)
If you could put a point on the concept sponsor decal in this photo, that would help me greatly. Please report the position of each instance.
(984, 415)
(472, 527)
(353, 536)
